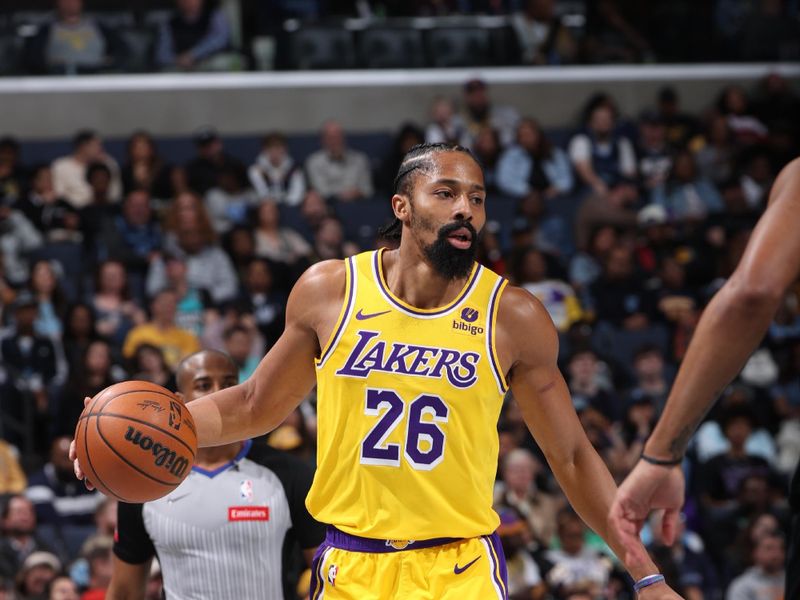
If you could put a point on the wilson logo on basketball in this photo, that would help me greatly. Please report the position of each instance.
(248, 513)
(164, 456)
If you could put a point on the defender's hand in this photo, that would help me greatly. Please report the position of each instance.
(73, 456)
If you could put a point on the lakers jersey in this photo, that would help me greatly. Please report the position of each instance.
(408, 402)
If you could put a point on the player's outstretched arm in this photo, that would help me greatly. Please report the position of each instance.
(736, 319)
(286, 374)
(527, 340)
(730, 329)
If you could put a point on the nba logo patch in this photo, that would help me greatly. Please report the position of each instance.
(246, 490)
(333, 571)
(470, 315)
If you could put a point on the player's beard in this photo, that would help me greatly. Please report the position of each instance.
(447, 260)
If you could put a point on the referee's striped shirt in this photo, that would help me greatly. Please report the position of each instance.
(222, 533)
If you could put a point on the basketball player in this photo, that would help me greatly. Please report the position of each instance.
(413, 351)
(729, 331)
(223, 532)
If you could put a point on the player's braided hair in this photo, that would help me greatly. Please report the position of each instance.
(417, 159)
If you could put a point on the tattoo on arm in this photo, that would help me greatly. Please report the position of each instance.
(677, 446)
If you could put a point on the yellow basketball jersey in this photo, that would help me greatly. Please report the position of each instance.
(408, 403)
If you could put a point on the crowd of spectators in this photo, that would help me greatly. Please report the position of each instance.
(79, 36)
(624, 228)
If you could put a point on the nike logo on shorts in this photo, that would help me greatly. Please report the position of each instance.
(459, 570)
(362, 317)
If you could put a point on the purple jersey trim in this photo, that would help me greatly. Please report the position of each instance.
(353, 543)
(498, 374)
(345, 314)
(497, 546)
(417, 312)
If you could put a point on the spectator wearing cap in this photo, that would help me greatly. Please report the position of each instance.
(685, 194)
(19, 540)
(69, 172)
(653, 152)
(203, 171)
(275, 174)
(533, 163)
(337, 171)
(72, 43)
(479, 112)
(33, 363)
(196, 31)
(18, 239)
(680, 127)
(38, 570)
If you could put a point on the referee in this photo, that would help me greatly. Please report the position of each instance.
(226, 530)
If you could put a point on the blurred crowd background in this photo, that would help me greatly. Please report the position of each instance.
(225, 35)
(118, 260)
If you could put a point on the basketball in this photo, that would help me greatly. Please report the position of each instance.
(136, 441)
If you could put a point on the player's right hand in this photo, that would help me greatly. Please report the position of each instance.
(73, 456)
(648, 487)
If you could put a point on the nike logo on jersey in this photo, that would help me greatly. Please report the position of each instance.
(459, 570)
(363, 317)
(172, 499)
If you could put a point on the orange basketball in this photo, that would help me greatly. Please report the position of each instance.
(136, 441)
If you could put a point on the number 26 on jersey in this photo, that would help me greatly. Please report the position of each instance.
(424, 439)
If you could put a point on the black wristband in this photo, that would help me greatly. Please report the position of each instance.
(661, 463)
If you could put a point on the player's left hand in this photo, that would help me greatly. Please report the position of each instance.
(647, 488)
(73, 456)
(659, 591)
